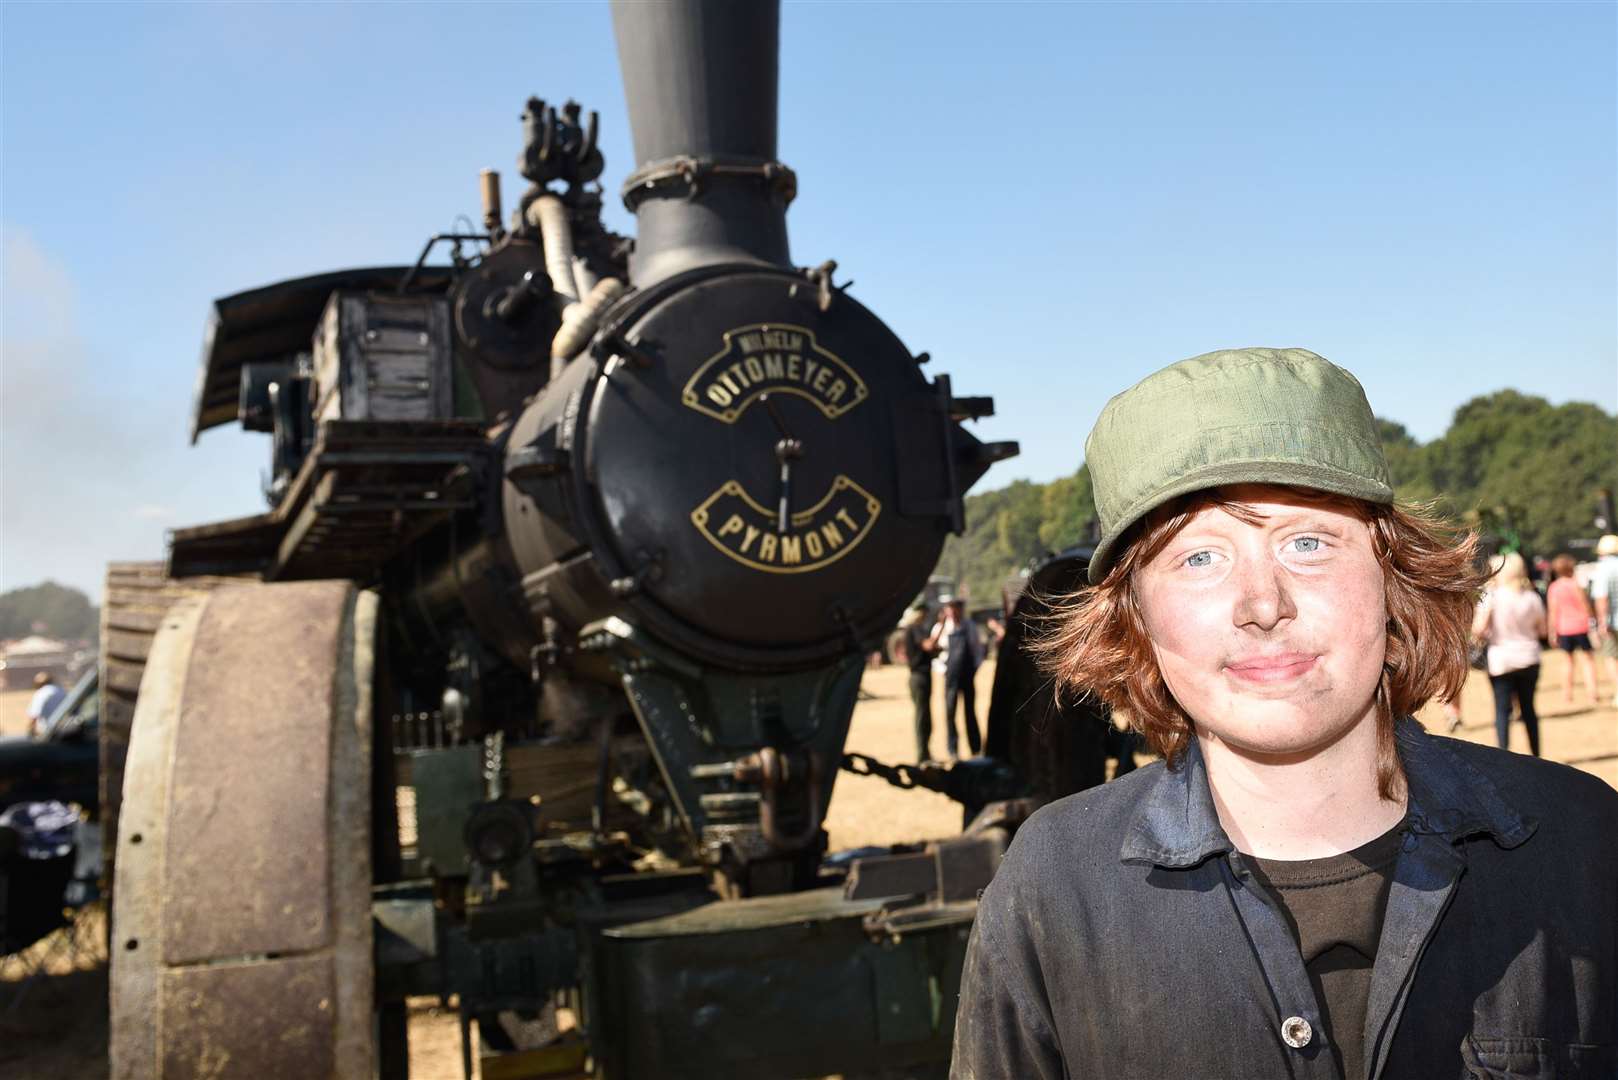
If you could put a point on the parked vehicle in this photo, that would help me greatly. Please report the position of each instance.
(61, 762)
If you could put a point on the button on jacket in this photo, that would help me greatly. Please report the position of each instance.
(1125, 937)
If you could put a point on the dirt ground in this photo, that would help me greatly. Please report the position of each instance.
(58, 1031)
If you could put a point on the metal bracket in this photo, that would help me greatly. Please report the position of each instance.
(650, 569)
(610, 345)
(692, 173)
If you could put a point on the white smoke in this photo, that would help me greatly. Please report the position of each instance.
(71, 456)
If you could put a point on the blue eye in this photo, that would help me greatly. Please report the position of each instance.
(1201, 558)
(1307, 544)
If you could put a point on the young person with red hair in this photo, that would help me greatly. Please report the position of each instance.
(1308, 885)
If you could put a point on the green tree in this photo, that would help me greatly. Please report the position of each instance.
(1407, 462)
(1515, 462)
(1070, 509)
(978, 559)
(1018, 521)
(1011, 527)
(63, 612)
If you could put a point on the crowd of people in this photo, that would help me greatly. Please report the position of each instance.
(1515, 623)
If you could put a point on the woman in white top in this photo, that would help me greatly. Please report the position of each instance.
(1511, 619)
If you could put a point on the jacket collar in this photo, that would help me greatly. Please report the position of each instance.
(1450, 796)
(1177, 827)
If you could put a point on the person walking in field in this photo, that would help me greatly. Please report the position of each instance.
(47, 694)
(1511, 619)
(918, 648)
(1308, 885)
(1604, 595)
(1569, 616)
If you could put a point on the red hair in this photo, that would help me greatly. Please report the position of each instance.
(1096, 643)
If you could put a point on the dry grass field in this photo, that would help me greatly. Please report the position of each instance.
(59, 1032)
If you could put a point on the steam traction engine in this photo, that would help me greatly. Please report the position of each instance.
(532, 685)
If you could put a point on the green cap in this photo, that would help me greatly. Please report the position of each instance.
(1237, 416)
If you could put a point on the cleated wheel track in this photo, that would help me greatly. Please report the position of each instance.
(137, 596)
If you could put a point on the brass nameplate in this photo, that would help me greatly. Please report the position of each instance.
(772, 358)
(732, 521)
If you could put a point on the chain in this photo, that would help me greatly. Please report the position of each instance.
(900, 776)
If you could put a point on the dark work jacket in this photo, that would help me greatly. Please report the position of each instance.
(963, 651)
(919, 659)
(1124, 937)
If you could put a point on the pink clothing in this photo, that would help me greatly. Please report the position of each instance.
(1572, 610)
(1515, 619)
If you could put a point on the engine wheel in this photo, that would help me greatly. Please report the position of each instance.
(136, 597)
(241, 934)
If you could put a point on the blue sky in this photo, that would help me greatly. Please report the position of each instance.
(1052, 199)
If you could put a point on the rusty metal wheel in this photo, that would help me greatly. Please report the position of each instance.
(241, 937)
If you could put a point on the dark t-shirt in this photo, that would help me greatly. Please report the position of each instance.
(919, 659)
(1335, 907)
(960, 654)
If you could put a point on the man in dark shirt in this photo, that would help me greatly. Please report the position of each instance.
(1309, 885)
(918, 654)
